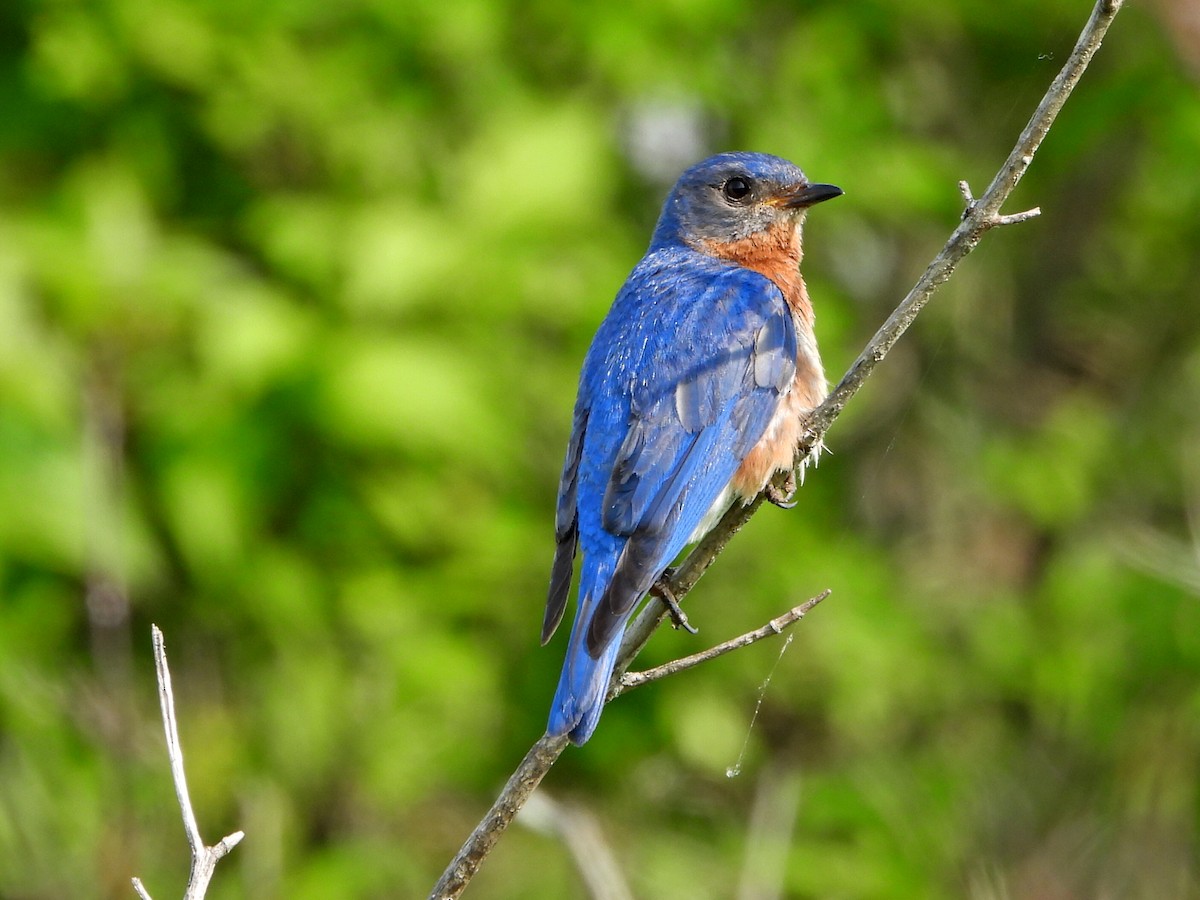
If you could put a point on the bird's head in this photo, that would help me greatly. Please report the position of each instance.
(735, 196)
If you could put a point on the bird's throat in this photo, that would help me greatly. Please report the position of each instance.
(775, 254)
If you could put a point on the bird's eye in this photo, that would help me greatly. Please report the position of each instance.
(736, 188)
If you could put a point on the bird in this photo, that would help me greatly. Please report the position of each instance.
(693, 394)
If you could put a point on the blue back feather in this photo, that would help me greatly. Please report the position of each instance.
(680, 383)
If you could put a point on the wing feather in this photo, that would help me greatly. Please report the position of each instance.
(566, 528)
(706, 394)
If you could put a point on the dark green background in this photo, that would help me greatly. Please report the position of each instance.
(293, 297)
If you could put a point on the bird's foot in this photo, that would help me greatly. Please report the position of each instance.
(674, 610)
(782, 497)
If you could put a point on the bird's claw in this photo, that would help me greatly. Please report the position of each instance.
(674, 610)
(782, 497)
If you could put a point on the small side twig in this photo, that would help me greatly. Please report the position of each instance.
(778, 625)
(204, 858)
(543, 754)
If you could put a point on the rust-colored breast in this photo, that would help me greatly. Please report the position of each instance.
(776, 254)
(776, 450)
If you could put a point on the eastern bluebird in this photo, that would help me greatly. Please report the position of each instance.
(693, 394)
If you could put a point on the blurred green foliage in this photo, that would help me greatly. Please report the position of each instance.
(293, 297)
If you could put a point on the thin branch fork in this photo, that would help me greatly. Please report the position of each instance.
(995, 219)
(204, 858)
(980, 216)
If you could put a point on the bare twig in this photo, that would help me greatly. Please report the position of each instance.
(776, 626)
(979, 217)
(204, 858)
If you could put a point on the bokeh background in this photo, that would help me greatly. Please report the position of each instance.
(293, 297)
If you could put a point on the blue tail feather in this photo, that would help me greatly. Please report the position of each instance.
(583, 684)
(582, 687)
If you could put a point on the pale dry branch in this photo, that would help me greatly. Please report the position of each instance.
(979, 216)
(204, 858)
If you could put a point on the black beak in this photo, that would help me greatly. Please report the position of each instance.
(812, 194)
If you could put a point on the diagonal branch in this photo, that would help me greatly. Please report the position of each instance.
(979, 217)
(520, 785)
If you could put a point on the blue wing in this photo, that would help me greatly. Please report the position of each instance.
(566, 529)
(681, 381)
(714, 378)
